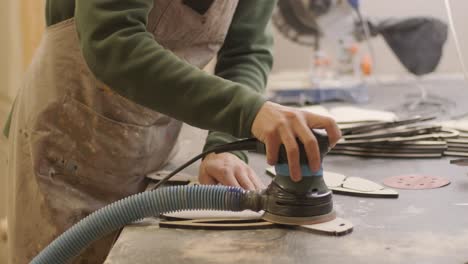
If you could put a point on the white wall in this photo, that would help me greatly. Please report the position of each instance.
(10, 75)
(10, 48)
(290, 56)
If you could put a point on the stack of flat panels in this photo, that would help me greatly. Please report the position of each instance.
(410, 138)
(415, 149)
(457, 147)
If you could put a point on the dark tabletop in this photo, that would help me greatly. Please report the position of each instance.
(424, 226)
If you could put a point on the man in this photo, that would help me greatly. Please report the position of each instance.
(105, 96)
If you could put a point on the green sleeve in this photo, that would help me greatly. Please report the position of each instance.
(246, 56)
(58, 10)
(7, 126)
(122, 54)
(218, 138)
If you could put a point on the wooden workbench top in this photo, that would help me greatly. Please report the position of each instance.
(429, 226)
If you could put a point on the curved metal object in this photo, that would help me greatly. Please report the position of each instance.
(295, 23)
(305, 21)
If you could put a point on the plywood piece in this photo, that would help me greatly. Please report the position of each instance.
(461, 125)
(333, 179)
(360, 184)
(455, 154)
(337, 227)
(271, 171)
(209, 214)
(461, 141)
(393, 148)
(245, 220)
(427, 135)
(457, 150)
(215, 220)
(383, 193)
(385, 154)
(218, 224)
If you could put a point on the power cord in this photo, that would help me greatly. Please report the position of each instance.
(448, 9)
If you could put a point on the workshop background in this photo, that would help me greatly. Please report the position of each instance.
(22, 23)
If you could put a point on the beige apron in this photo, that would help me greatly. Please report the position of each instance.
(76, 145)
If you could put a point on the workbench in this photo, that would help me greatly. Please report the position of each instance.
(424, 226)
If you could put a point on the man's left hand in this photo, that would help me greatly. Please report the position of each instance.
(228, 169)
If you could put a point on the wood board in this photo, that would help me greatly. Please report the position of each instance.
(245, 220)
(393, 149)
(385, 154)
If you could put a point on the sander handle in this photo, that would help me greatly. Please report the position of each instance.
(322, 141)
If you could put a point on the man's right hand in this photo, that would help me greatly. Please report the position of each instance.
(276, 124)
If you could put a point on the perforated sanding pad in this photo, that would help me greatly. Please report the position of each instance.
(416, 182)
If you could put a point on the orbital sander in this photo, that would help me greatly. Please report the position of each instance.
(308, 201)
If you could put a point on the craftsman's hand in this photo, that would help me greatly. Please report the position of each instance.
(276, 124)
(228, 169)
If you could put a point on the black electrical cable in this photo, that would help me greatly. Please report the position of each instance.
(246, 144)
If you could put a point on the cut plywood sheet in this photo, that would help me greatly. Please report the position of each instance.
(455, 154)
(215, 220)
(333, 179)
(383, 154)
(383, 193)
(271, 171)
(337, 227)
(218, 224)
(360, 184)
(461, 125)
(245, 220)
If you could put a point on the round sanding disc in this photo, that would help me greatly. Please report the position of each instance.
(416, 182)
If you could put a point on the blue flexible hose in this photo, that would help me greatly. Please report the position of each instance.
(133, 208)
